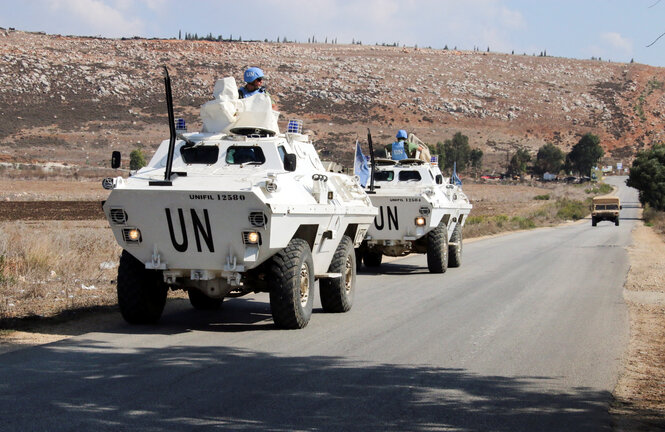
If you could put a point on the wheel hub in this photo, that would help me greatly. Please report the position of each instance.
(348, 275)
(304, 284)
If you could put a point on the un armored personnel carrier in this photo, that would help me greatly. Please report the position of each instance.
(419, 212)
(235, 209)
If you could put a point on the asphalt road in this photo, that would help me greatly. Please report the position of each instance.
(526, 336)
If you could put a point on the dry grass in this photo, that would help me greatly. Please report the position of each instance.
(655, 219)
(49, 267)
(508, 207)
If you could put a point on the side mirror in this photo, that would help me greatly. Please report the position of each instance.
(115, 159)
(290, 162)
(439, 179)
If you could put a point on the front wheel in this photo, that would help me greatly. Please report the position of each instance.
(337, 293)
(616, 222)
(141, 292)
(291, 285)
(437, 249)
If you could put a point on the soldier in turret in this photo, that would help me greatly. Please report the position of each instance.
(253, 83)
(401, 149)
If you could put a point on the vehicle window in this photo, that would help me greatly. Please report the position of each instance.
(409, 175)
(282, 152)
(384, 176)
(238, 155)
(612, 207)
(204, 154)
(600, 206)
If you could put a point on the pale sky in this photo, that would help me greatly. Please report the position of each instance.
(614, 30)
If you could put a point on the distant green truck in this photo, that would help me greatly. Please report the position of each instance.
(605, 208)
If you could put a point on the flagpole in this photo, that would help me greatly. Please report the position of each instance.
(371, 156)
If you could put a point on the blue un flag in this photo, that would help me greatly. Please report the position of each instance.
(455, 179)
(360, 167)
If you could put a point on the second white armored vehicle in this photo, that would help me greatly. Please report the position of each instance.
(419, 212)
(235, 209)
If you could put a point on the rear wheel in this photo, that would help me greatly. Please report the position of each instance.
(437, 249)
(455, 248)
(337, 293)
(372, 258)
(292, 285)
(141, 292)
(359, 258)
(201, 301)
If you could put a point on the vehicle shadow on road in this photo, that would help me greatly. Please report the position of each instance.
(87, 385)
(394, 268)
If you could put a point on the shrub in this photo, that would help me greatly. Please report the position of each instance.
(523, 222)
(544, 197)
(654, 218)
(136, 160)
(568, 209)
(599, 189)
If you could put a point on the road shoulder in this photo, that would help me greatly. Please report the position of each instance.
(640, 392)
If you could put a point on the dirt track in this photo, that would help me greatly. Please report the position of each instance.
(50, 210)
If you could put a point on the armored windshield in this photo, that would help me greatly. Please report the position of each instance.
(409, 176)
(206, 155)
(384, 176)
(238, 155)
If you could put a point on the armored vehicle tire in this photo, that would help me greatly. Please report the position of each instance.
(593, 221)
(141, 292)
(616, 222)
(201, 301)
(372, 258)
(437, 249)
(455, 250)
(291, 285)
(337, 293)
(359, 258)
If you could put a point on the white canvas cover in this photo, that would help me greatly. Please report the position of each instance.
(227, 112)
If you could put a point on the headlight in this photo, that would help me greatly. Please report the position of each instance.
(131, 235)
(251, 238)
(271, 186)
(420, 221)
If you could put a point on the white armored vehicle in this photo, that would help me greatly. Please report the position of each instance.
(235, 209)
(419, 212)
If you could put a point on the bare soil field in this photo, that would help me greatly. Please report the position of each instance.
(72, 100)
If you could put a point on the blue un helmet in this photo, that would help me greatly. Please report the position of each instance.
(253, 73)
(401, 134)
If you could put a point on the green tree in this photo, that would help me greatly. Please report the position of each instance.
(457, 150)
(647, 175)
(549, 159)
(518, 163)
(476, 160)
(585, 154)
(136, 160)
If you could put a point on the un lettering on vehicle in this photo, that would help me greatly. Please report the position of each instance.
(199, 229)
(387, 218)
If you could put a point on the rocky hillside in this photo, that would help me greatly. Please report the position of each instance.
(73, 100)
